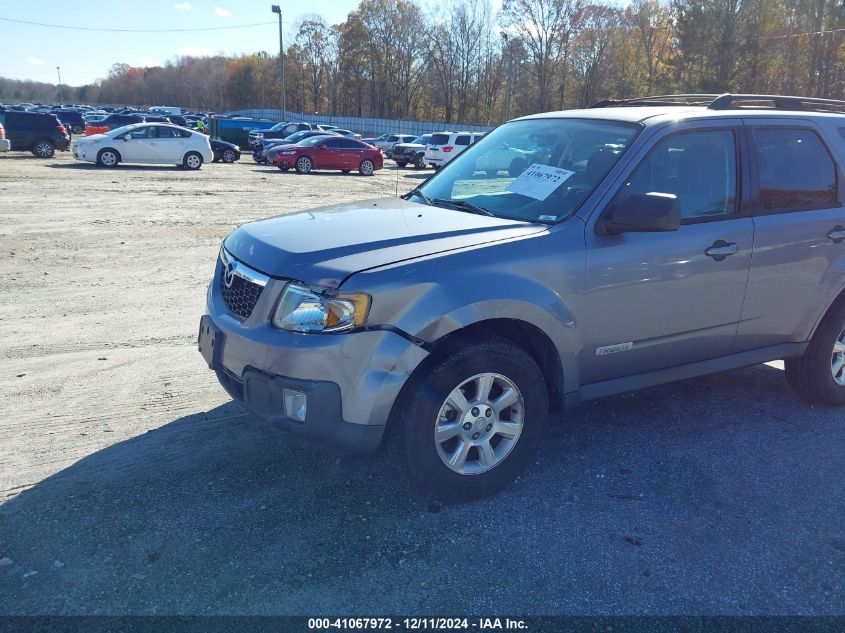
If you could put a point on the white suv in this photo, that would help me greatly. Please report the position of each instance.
(444, 146)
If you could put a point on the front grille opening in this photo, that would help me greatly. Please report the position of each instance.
(241, 297)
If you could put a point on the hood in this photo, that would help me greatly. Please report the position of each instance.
(93, 137)
(407, 145)
(324, 246)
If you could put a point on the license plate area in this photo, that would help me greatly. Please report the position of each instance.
(210, 342)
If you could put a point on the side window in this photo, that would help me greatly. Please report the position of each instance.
(167, 132)
(697, 167)
(184, 133)
(141, 132)
(333, 143)
(795, 169)
(462, 140)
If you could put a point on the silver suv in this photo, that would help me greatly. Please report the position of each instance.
(626, 245)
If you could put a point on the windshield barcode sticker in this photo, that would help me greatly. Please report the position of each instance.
(539, 181)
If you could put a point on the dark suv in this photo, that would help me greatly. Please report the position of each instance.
(37, 132)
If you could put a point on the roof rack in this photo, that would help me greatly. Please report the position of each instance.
(732, 102)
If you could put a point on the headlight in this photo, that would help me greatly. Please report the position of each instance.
(304, 309)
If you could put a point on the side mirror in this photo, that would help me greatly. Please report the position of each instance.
(127, 137)
(651, 212)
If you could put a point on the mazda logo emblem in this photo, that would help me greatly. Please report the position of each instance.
(229, 274)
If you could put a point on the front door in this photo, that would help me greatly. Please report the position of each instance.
(658, 300)
(141, 146)
(332, 155)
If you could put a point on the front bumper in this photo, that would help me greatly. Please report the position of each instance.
(350, 380)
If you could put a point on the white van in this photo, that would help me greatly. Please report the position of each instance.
(444, 146)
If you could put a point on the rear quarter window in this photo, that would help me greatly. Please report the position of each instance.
(462, 140)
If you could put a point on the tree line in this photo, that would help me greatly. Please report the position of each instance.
(461, 62)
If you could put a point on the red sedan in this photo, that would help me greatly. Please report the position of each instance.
(321, 152)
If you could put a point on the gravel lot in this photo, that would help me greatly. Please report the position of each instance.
(129, 484)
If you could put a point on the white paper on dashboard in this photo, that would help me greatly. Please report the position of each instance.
(539, 181)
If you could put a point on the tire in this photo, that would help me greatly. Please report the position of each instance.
(77, 129)
(366, 168)
(303, 165)
(192, 161)
(108, 157)
(811, 375)
(229, 156)
(43, 149)
(424, 406)
(401, 164)
(419, 162)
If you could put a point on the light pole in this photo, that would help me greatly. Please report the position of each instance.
(61, 95)
(277, 9)
(507, 51)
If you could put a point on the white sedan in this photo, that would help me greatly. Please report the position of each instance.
(156, 143)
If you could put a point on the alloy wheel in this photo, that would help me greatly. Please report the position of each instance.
(479, 423)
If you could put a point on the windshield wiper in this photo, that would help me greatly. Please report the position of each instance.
(463, 205)
(416, 192)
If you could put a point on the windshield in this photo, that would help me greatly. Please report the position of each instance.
(421, 140)
(311, 141)
(277, 127)
(297, 136)
(539, 170)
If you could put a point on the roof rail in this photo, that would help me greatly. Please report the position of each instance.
(731, 102)
(776, 102)
(659, 100)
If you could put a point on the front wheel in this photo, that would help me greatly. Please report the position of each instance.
(304, 165)
(818, 375)
(472, 419)
(229, 156)
(192, 161)
(367, 168)
(419, 162)
(108, 158)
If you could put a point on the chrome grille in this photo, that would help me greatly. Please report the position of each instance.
(240, 286)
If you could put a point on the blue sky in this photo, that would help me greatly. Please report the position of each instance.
(33, 52)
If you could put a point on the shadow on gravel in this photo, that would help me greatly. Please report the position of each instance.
(121, 167)
(715, 495)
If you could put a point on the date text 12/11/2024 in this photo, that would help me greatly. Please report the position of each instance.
(417, 624)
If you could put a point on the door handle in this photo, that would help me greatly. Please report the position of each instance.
(721, 250)
(837, 233)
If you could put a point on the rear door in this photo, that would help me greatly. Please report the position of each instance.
(169, 144)
(462, 141)
(799, 241)
(659, 300)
